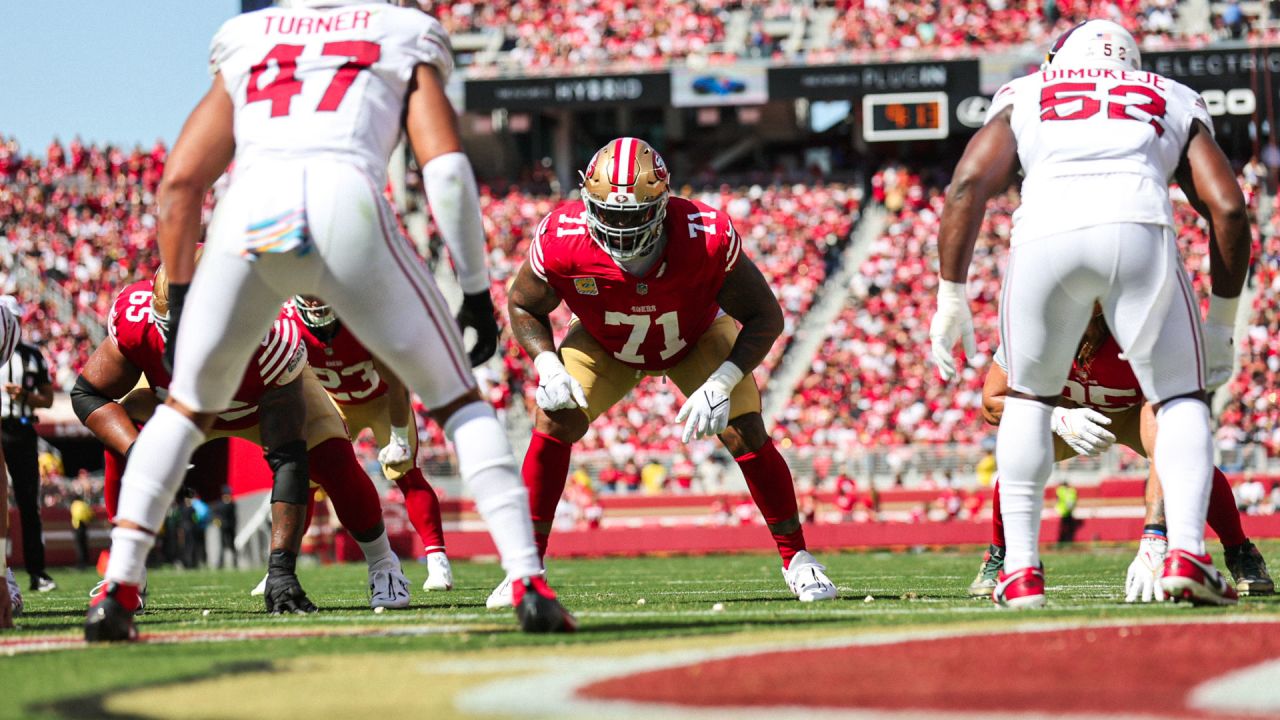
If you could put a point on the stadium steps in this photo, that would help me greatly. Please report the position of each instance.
(54, 295)
(812, 331)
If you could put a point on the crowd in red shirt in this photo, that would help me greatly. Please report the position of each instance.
(586, 34)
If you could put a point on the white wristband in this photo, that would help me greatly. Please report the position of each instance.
(548, 363)
(401, 434)
(727, 376)
(1222, 311)
(4, 555)
(955, 291)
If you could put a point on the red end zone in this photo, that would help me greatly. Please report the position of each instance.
(1144, 669)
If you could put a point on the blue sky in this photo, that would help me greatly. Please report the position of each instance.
(119, 71)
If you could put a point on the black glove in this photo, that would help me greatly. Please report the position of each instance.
(284, 593)
(177, 296)
(477, 313)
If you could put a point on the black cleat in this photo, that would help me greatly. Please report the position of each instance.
(988, 573)
(1249, 570)
(110, 619)
(537, 608)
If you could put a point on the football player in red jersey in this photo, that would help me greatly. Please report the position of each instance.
(659, 286)
(1104, 405)
(367, 394)
(279, 405)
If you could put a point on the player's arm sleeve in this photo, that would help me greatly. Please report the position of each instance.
(431, 46)
(455, 206)
(283, 356)
(1003, 98)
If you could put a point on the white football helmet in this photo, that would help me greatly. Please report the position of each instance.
(1094, 43)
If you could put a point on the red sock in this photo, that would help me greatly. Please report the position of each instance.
(1224, 518)
(113, 473)
(769, 480)
(997, 520)
(545, 471)
(424, 509)
(335, 469)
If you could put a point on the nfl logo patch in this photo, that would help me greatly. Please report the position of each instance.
(642, 289)
(585, 286)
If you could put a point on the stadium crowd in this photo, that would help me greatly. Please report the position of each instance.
(534, 35)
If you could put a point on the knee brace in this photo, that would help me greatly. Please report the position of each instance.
(290, 473)
(85, 399)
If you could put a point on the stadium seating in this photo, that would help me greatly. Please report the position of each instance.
(537, 35)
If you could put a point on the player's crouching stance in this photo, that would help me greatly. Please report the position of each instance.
(656, 284)
(1103, 405)
(367, 394)
(279, 405)
(1099, 140)
(303, 215)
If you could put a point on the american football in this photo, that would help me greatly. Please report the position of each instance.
(640, 358)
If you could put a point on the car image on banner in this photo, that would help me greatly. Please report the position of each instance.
(736, 85)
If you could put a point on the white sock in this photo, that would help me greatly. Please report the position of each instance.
(1024, 454)
(488, 468)
(156, 467)
(378, 552)
(1184, 462)
(128, 561)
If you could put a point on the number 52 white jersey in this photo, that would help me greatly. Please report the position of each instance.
(311, 82)
(1097, 146)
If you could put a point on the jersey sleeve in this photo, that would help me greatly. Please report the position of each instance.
(733, 248)
(537, 259)
(1003, 98)
(999, 359)
(222, 45)
(1192, 107)
(283, 354)
(431, 46)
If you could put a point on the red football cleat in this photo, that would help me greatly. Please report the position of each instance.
(537, 608)
(111, 612)
(1020, 590)
(1194, 578)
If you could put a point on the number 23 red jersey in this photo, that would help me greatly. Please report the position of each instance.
(650, 322)
(344, 367)
(278, 360)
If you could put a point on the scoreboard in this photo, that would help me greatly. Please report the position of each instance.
(905, 116)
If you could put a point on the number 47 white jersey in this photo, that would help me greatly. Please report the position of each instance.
(331, 81)
(1097, 146)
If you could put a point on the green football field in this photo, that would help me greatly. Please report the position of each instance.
(212, 652)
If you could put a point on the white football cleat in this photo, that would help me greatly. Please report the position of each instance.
(439, 572)
(500, 598)
(388, 587)
(15, 592)
(808, 579)
(260, 589)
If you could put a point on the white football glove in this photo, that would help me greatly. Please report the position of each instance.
(706, 412)
(1219, 341)
(557, 390)
(951, 322)
(1082, 429)
(1143, 581)
(397, 451)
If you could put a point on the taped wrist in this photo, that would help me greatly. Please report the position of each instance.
(4, 558)
(290, 474)
(400, 434)
(282, 562)
(548, 363)
(1222, 311)
(85, 399)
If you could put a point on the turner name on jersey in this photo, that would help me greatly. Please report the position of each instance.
(1100, 139)
(329, 81)
(650, 322)
(280, 357)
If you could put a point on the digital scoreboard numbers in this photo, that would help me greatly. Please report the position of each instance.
(905, 116)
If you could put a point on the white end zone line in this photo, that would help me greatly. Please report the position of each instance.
(551, 690)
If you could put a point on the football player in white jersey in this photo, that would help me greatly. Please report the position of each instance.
(1099, 141)
(309, 100)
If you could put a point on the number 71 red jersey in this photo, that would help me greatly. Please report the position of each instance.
(650, 322)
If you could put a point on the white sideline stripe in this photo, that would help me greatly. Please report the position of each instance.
(552, 691)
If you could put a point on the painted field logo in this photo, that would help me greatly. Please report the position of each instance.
(1168, 670)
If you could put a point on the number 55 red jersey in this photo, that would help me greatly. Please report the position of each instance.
(649, 322)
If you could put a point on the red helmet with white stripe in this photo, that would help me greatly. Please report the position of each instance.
(625, 190)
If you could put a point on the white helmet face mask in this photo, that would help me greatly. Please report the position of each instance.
(1095, 43)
